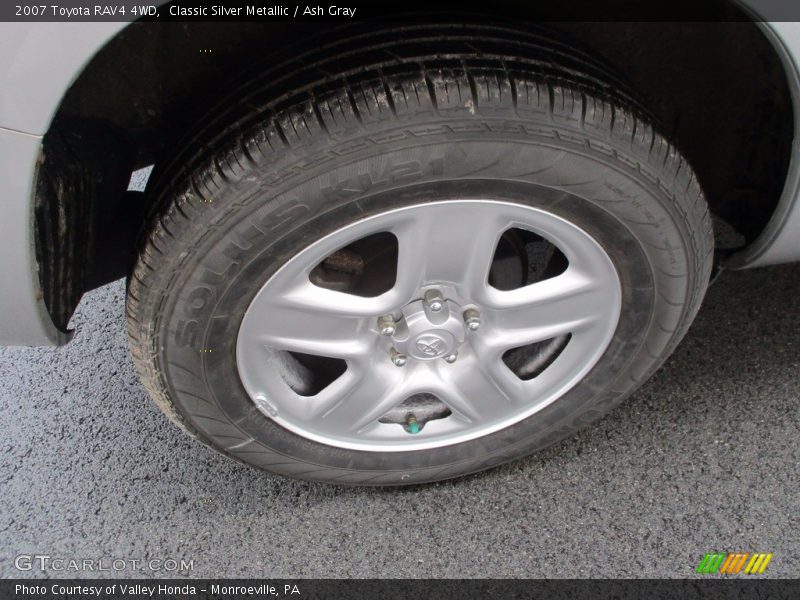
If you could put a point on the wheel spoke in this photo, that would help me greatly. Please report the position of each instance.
(565, 304)
(311, 330)
(441, 245)
(368, 394)
(305, 295)
(476, 392)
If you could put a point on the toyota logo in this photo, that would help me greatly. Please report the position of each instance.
(431, 345)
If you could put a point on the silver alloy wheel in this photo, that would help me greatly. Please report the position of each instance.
(445, 250)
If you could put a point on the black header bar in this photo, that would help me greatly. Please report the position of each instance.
(405, 10)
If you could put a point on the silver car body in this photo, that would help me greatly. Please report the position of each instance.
(39, 61)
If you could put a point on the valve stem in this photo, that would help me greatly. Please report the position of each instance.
(411, 423)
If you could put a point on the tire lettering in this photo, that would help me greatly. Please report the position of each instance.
(198, 299)
(187, 333)
(391, 173)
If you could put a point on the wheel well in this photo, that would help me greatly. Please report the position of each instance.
(718, 89)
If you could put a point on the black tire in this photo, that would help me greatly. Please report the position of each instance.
(429, 125)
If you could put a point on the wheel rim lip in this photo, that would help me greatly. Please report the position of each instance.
(305, 260)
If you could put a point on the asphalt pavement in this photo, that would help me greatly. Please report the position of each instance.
(703, 457)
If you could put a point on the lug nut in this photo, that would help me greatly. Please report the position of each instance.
(472, 318)
(434, 300)
(386, 325)
(398, 358)
(451, 358)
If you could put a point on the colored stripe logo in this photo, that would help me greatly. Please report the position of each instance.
(734, 563)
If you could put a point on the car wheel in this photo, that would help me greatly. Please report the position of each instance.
(446, 257)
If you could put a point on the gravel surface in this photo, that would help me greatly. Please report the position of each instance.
(704, 457)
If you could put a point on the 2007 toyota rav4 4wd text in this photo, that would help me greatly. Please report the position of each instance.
(389, 253)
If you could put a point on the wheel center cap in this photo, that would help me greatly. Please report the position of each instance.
(424, 334)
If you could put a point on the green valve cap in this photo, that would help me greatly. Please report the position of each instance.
(413, 426)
